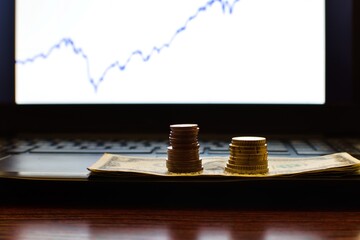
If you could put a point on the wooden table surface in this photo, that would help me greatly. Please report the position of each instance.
(44, 210)
(116, 222)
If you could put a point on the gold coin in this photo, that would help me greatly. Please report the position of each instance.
(247, 167)
(184, 131)
(183, 127)
(183, 159)
(238, 154)
(177, 166)
(191, 155)
(184, 170)
(182, 151)
(247, 152)
(193, 166)
(248, 140)
(247, 162)
(184, 139)
(180, 170)
(259, 171)
(247, 147)
(187, 156)
(183, 162)
(185, 146)
(249, 157)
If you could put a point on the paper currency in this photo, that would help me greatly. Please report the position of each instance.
(337, 164)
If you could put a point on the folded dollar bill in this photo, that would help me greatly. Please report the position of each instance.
(337, 164)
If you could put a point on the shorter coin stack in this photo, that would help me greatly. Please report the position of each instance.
(183, 152)
(248, 155)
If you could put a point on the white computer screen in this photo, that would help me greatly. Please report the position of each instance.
(170, 51)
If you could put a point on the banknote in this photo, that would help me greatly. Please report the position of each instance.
(333, 164)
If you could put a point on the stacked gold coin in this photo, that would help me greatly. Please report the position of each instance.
(183, 152)
(248, 155)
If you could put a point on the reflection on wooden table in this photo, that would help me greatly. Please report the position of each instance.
(28, 222)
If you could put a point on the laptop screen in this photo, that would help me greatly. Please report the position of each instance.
(228, 65)
(170, 52)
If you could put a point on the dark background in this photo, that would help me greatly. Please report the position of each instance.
(338, 116)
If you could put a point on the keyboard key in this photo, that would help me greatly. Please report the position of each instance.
(321, 145)
(276, 146)
(19, 149)
(311, 147)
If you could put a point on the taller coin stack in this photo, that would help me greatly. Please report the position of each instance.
(248, 155)
(183, 152)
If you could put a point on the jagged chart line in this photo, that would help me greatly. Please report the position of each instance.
(226, 7)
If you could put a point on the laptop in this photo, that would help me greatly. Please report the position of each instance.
(81, 78)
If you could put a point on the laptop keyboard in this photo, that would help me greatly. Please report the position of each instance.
(280, 147)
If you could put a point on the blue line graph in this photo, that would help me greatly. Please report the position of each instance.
(226, 6)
